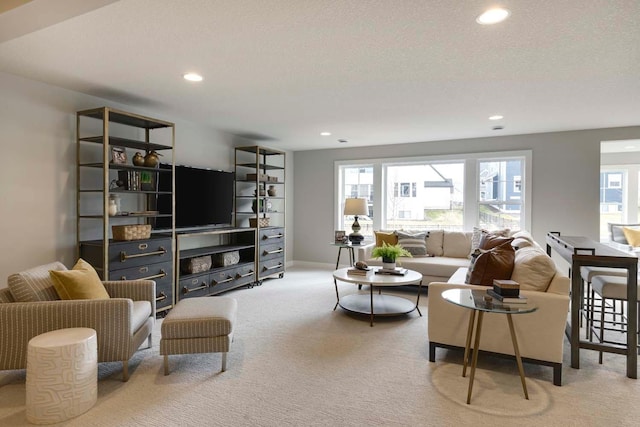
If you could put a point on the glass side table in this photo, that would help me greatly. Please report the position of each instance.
(474, 301)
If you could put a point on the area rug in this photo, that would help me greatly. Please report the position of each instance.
(297, 362)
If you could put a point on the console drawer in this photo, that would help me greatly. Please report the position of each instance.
(271, 251)
(271, 235)
(194, 286)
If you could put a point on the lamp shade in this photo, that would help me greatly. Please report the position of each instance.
(355, 207)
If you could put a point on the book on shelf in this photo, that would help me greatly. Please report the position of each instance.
(519, 299)
(393, 272)
(357, 272)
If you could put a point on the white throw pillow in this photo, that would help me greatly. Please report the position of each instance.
(533, 269)
(434, 242)
(456, 244)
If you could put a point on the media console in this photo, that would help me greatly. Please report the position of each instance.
(216, 242)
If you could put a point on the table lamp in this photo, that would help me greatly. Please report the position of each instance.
(355, 207)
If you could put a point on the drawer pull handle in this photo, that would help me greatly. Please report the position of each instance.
(240, 276)
(273, 236)
(273, 267)
(155, 276)
(161, 297)
(124, 256)
(186, 290)
(227, 280)
(275, 251)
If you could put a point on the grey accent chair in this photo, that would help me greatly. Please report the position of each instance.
(29, 307)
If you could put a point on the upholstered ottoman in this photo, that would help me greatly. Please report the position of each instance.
(198, 325)
(62, 375)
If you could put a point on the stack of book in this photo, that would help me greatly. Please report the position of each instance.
(357, 272)
(507, 291)
(394, 272)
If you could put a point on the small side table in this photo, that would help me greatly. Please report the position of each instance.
(62, 375)
(348, 247)
(474, 300)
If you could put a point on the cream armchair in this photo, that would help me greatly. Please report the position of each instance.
(540, 334)
(122, 322)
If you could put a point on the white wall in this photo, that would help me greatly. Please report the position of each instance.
(566, 167)
(37, 174)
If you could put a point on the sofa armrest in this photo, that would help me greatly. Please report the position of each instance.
(21, 321)
(364, 252)
(136, 290)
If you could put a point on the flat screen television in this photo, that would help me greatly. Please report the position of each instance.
(204, 197)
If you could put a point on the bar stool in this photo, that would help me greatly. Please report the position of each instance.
(614, 288)
(587, 274)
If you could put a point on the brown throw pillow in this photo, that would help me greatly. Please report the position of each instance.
(487, 265)
(490, 241)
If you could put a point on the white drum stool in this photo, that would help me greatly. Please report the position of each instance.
(62, 375)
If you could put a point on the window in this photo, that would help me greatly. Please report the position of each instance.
(613, 207)
(356, 181)
(454, 192)
(499, 205)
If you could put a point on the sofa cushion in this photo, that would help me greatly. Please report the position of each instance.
(616, 233)
(81, 282)
(487, 265)
(414, 243)
(388, 237)
(434, 266)
(632, 235)
(35, 284)
(456, 244)
(522, 239)
(435, 240)
(533, 269)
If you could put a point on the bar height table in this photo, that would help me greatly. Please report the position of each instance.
(581, 251)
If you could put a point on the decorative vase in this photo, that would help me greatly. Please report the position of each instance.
(388, 263)
(272, 190)
(151, 160)
(138, 159)
(255, 205)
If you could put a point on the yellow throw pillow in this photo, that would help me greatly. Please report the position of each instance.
(390, 238)
(632, 235)
(81, 282)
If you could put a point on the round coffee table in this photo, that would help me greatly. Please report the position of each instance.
(377, 304)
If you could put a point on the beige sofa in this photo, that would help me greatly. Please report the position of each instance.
(540, 334)
(448, 251)
(122, 322)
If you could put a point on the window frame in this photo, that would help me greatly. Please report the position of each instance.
(471, 199)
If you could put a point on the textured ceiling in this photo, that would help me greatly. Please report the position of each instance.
(372, 72)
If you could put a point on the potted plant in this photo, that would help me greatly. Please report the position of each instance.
(389, 253)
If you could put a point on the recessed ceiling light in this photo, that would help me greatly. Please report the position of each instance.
(493, 16)
(193, 77)
(496, 117)
(325, 133)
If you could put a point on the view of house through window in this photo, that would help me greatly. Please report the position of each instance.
(426, 195)
(500, 193)
(450, 194)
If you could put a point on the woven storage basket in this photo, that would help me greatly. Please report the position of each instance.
(263, 222)
(131, 231)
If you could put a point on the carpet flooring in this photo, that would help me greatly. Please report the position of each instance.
(296, 362)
